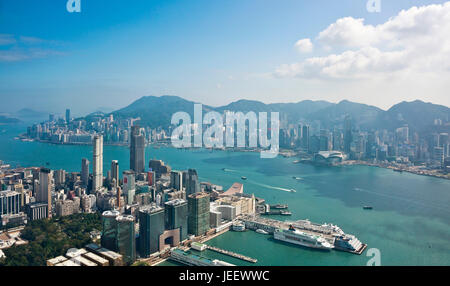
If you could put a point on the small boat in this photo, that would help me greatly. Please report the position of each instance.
(261, 231)
(367, 207)
(244, 178)
(398, 170)
(292, 191)
(297, 178)
(296, 162)
(286, 213)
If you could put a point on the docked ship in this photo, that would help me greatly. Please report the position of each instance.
(295, 236)
(279, 207)
(238, 226)
(261, 231)
(349, 243)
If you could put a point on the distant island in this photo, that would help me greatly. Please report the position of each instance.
(8, 120)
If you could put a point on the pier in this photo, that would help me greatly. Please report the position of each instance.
(232, 254)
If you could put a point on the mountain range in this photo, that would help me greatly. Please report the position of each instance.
(418, 115)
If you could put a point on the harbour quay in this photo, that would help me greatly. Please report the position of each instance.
(331, 233)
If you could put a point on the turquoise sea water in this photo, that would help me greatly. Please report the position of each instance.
(410, 222)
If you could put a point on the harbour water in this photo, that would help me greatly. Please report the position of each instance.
(409, 223)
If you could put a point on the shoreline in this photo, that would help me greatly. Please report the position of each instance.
(284, 153)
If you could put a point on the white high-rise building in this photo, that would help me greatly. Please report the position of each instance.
(97, 182)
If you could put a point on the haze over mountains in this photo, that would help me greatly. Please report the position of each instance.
(157, 112)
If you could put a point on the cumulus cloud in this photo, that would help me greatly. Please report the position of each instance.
(413, 42)
(304, 46)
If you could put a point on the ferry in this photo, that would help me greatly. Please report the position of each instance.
(294, 236)
(261, 231)
(238, 226)
(279, 207)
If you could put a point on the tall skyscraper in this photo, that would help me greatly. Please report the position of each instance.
(176, 180)
(348, 134)
(115, 172)
(109, 233)
(305, 137)
(85, 171)
(137, 150)
(198, 213)
(67, 115)
(176, 216)
(98, 163)
(126, 238)
(192, 183)
(44, 193)
(129, 186)
(151, 226)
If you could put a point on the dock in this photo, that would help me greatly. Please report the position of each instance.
(232, 254)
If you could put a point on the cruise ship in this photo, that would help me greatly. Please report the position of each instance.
(301, 238)
(349, 243)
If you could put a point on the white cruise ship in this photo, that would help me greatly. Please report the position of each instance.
(301, 238)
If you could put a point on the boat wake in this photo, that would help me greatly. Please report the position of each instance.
(273, 188)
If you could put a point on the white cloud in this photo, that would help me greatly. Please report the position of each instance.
(413, 43)
(6, 39)
(304, 46)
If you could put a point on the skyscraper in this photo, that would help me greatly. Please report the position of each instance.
(67, 115)
(198, 213)
(176, 216)
(192, 183)
(176, 180)
(151, 226)
(126, 238)
(109, 232)
(137, 150)
(85, 171)
(305, 137)
(98, 163)
(348, 134)
(129, 186)
(115, 172)
(44, 193)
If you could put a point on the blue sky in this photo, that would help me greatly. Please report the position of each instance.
(213, 52)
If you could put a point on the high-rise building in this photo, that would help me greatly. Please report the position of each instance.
(151, 227)
(10, 202)
(109, 233)
(97, 183)
(137, 150)
(126, 238)
(67, 115)
(129, 185)
(60, 177)
(348, 134)
(176, 216)
(85, 171)
(115, 172)
(198, 213)
(176, 180)
(305, 137)
(44, 193)
(192, 183)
